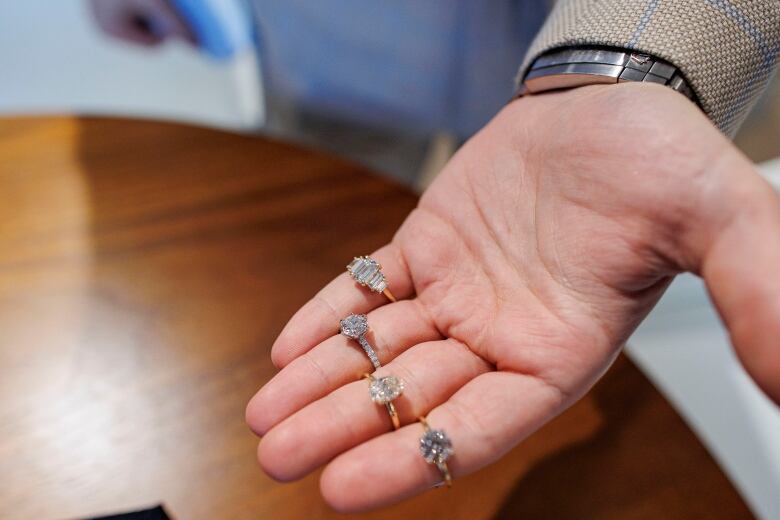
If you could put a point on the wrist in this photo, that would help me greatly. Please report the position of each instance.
(647, 128)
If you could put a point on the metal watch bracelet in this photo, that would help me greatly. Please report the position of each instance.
(567, 68)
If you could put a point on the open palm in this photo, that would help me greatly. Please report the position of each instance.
(524, 269)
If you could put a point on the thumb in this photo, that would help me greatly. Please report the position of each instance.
(741, 267)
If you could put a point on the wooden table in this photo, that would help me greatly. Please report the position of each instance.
(145, 270)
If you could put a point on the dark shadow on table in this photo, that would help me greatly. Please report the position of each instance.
(644, 462)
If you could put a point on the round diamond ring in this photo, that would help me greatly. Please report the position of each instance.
(436, 448)
(355, 327)
(384, 390)
(367, 272)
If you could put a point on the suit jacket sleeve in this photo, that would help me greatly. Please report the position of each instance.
(726, 49)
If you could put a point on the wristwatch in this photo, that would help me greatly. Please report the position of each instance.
(575, 67)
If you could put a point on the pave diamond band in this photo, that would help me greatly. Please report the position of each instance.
(355, 327)
(384, 390)
(367, 272)
(436, 448)
(369, 351)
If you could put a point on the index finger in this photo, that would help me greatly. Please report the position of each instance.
(319, 318)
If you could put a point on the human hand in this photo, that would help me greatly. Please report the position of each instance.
(144, 22)
(525, 268)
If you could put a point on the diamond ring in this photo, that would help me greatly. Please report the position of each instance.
(367, 272)
(436, 448)
(355, 326)
(384, 390)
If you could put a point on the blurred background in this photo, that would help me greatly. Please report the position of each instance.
(56, 58)
(60, 58)
(254, 71)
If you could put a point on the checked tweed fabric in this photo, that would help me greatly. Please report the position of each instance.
(726, 49)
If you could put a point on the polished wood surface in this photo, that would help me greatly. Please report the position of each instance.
(145, 270)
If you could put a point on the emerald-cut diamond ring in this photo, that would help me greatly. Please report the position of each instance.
(367, 272)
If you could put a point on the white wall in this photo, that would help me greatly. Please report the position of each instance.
(53, 59)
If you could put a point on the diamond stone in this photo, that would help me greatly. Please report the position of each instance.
(367, 271)
(354, 325)
(435, 447)
(385, 389)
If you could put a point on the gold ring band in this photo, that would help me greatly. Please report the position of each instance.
(389, 295)
(393, 415)
(436, 448)
(396, 390)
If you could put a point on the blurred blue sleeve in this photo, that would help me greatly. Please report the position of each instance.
(221, 27)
